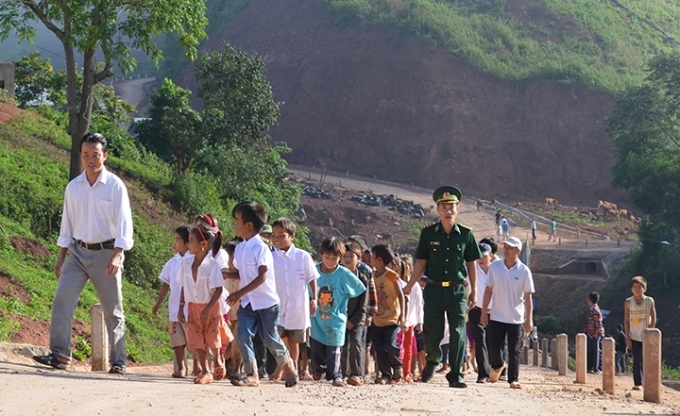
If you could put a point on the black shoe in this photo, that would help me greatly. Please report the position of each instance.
(458, 384)
(117, 369)
(428, 373)
(50, 360)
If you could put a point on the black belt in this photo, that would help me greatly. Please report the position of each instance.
(104, 245)
(447, 283)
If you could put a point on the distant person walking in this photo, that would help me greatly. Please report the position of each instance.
(498, 218)
(533, 231)
(553, 230)
(506, 228)
(96, 228)
(639, 314)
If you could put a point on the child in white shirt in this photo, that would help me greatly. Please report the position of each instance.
(169, 277)
(201, 281)
(295, 272)
(259, 302)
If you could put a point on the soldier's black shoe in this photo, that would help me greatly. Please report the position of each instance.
(458, 384)
(428, 373)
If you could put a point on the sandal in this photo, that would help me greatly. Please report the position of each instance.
(292, 379)
(339, 382)
(246, 381)
(206, 378)
(515, 385)
(219, 373)
(178, 375)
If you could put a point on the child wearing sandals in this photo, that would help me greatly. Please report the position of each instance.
(169, 275)
(201, 281)
(257, 297)
(295, 272)
(336, 285)
(391, 317)
(222, 258)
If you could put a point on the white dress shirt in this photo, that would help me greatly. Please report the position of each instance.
(96, 213)
(248, 257)
(415, 306)
(294, 270)
(208, 278)
(170, 276)
(222, 260)
(509, 287)
(482, 279)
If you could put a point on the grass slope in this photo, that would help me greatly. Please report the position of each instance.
(34, 168)
(602, 44)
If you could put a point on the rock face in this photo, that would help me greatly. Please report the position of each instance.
(374, 102)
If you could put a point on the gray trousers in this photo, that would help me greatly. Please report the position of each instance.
(353, 353)
(80, 266)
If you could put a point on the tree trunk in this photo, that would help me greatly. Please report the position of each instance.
(72, 103)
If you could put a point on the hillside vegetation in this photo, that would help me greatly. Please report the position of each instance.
(602, 44)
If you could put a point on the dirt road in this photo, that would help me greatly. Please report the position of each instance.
(32, 390)
(137, 92)
(482, 222)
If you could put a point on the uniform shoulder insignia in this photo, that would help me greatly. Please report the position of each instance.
(429, 225)
(465, 227)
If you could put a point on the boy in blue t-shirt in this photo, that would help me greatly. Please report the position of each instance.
(336, 284)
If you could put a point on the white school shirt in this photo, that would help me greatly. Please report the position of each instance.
(509, 287)
(97, 213)
(482, 278)
(415, 306)
(294, 270)
(208, 278)
(222, 260)
(248, 257)
(170, 275)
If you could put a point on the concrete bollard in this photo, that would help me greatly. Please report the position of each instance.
(534, 346)
(525, 355)
(560, 241)
(651, 365)
(586, 242)
(553, 354)
(562, 354)
(544, 353)
(581, 358)
(608, 364)
(100, 340)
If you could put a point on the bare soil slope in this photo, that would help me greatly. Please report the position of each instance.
(373, 102)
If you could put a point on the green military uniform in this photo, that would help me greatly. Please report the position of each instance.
(445, 294)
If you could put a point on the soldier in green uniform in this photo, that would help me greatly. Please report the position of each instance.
(444, 249)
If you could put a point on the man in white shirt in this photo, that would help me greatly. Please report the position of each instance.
(96, 227)
(509, 286)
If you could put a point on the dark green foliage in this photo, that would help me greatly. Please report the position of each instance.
(225, 153)
(645, 127)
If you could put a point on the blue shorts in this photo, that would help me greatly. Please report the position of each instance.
(420, 342)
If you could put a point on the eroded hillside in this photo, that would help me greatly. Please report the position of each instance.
(375, 102)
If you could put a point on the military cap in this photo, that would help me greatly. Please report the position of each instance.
(447, 194)
(267, 229)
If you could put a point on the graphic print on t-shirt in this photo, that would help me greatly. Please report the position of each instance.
(383, 306)
(325, 302)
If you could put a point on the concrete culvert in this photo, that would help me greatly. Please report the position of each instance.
(590, 267)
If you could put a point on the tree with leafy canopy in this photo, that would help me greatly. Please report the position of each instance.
(111, 27)
(229, 139)
(644, 124)
(37, 81)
